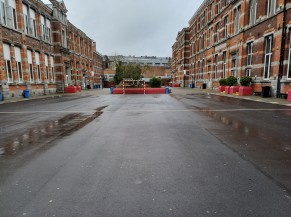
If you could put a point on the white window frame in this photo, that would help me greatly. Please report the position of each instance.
(30, 65)
(37, 62)
(8, 64)
(52, 68)
(64, 38)
(224, 64)
(46, 67)
(215, 66)
(3, 13)
(217, 31)
(17, 51)
(268, 57)
(226, 21)
(253, 12)
(248, 71)
(271, 7)
(13, 11)
(236, 23)
(289, 61)
(211, 36)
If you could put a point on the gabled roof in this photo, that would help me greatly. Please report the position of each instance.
(62, 3)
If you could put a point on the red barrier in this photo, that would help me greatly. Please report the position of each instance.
(71, 89)
(140, 91)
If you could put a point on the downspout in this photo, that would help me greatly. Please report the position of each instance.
(282, 54)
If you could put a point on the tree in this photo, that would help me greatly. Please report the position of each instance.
(131, 71)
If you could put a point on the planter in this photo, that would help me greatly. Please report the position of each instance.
(245, 91)
(227, 89)
(221, 89)
(233, 89)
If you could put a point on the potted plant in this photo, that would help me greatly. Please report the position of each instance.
(245, 89)
(222, 84)
(231, 87)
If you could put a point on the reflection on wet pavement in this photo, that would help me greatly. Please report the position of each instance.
(267, 148)
(44, 133)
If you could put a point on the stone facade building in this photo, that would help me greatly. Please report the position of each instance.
(236, 37)
(40, 50)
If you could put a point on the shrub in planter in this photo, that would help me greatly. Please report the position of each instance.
(222, 83)
(245, 81)
(245, 89)
(231, 81)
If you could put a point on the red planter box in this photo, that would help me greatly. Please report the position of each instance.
(289, 96)
(233, 89)
(227, 89)
(71, 89)
(245, 91)
(221, 89)
(78, 88)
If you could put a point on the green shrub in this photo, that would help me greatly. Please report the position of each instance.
(155, 82)
(222, 82)
(231, 81)
(245, 80)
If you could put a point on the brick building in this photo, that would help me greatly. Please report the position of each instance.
(42, 51)
(236, 37)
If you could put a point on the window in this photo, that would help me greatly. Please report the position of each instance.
(271, 7)
(236, 20)
(8, 67)
(30, 67)
(37, 62)
(226, 27)
(234, 63)
(216, 65)
(3, 13)
(202, 68)
(13, 13)
(268, 56)
(9, 13)
(29, 20)
(253, 12)
(211, 36)
(18, 64)
(46, 29)
(211, 10)
(224, 64)
(52, 68)
(217, 32)
(46, 66)
(218, 6)
(249, 58)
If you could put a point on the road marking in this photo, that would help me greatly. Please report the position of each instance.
(149, 110)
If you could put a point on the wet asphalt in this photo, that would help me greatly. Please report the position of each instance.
(145, 155)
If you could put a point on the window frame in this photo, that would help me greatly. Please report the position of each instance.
(268, 57)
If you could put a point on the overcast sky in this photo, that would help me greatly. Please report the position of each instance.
(132, 27)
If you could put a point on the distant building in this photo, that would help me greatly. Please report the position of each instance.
(153, 66)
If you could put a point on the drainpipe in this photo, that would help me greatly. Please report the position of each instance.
(282, 54)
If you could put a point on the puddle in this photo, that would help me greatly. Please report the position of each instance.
(45, 132)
